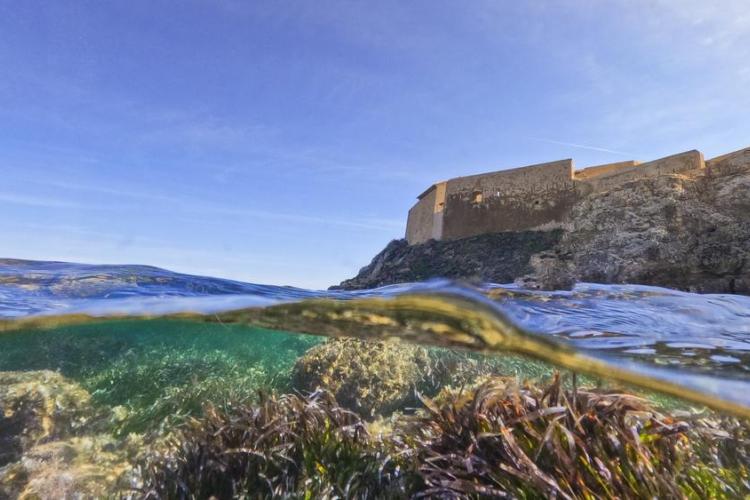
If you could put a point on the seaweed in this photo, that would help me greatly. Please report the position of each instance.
(292, 446)
(502, 440)
(155, 390)
(498, 439)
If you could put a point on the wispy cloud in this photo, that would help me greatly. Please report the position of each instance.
(43, 202)
(120, 191)
(386, 225)
(582, 146)
(188, 206)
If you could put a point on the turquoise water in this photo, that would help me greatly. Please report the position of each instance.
(699, 341)
(148, 350)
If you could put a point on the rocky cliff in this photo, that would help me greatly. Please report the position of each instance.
(688, 231)
(497, 258)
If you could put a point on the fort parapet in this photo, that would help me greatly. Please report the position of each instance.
(536, 197)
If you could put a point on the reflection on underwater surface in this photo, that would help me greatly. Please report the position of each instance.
(649, 323)
(93, 379)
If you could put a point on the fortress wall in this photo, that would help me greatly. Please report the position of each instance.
(730, 162)
(605, 170)
(675, 164)
(510, 200)
(514, 181)
(425, 220)
(438, 216)
(538, 197)
(419, 223)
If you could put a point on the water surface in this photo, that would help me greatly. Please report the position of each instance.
(150, 348)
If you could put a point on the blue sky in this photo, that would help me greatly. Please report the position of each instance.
(283, 142)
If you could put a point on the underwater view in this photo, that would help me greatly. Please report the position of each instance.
(136, 382)
(349, 250)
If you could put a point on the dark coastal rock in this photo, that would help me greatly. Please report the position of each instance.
(688, 231)
(552, 271)
(498, 258)
(369, 378)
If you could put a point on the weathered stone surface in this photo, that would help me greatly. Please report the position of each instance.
(369, 378)
(690, 232)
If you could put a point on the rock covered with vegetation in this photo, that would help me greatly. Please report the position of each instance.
(37, 407)
(457, 430)
(88, 466)
(376, 378)
(487, 437)
(368, 377)
(49, 445)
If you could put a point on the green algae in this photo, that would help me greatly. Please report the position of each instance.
(150, 374)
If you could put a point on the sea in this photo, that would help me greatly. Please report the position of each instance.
(122, 381)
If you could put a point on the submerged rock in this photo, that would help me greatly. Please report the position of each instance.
(45, 451)
(369, 378)
(37, 407)
(81, 467)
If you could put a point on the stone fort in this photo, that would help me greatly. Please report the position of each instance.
(536, 197)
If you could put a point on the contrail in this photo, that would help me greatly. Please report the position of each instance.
(581, 146)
